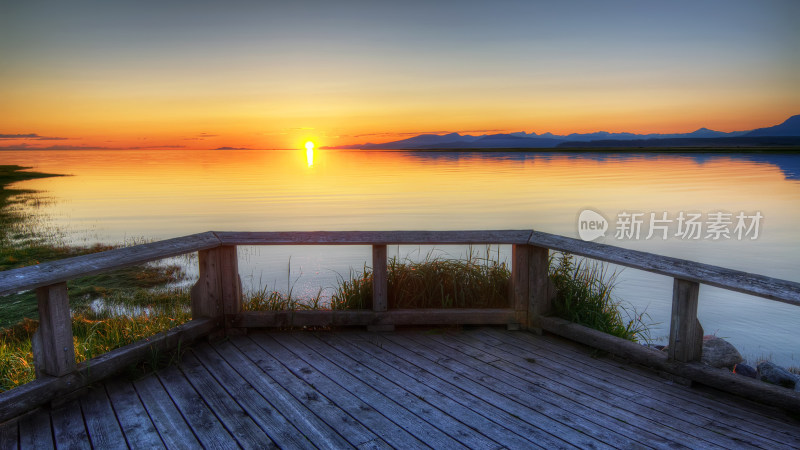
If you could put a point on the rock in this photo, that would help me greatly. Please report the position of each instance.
(744, 369)
(718, 352)
(777, 375)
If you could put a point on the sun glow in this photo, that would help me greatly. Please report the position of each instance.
(309, 146)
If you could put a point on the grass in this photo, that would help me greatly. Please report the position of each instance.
(584, 296)
(435, 282)
(135, 302)
(94, 333)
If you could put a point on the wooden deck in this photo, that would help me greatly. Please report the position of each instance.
(480, 388)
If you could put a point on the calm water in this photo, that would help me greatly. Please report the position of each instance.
(125, 196)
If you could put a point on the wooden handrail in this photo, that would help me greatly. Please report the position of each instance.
(52, 272)
(734, 280)
(48, 273)
(373, 237)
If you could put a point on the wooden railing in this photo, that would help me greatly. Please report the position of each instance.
(217, 301)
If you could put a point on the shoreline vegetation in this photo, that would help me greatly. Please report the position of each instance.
(96, 301)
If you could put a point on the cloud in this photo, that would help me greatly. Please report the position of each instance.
(201, 137)
(52, 147)
(32, 137)
(88, 147)
(232, 148)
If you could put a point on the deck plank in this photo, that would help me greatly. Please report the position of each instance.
(35, 431)
(567, 396)
(531, 374)
(461, 404)
(173, 429)
(132, 416)
(477, 388)
(655, 392)
(101, 422)
(376, 399)
(205, 425)
(69, 430)
(249, 393)
(393, 433)
(351, 429)
(244, 430)
(424, 408)
(9, 435)
(537, 425)
(549, 416)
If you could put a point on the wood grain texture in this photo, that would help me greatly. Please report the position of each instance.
(132, 415)
(12, 281)
(57, 355)
(520, 285)
(172, 427)
(68, 428)
(101, 422)
(452, 388)
(685, 331)
(734, 280)
(9, 435)
(35, 431)
(380, 279)
(719, 378)
(206, 294)
(373, 237)
(285, 319)
(539, 301)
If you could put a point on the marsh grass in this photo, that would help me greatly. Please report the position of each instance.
(95, 333)
(584, 296)
(435, 282)
(135, 303)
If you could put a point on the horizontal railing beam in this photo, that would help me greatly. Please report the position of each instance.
(734, 280)
(373, 237)
(53, 272)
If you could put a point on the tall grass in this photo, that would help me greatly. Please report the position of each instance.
(94, 333)
(135, 303)
(435, 282)
(584, 296)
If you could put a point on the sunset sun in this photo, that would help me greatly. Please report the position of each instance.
(309, 145)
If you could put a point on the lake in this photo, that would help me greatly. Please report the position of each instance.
(142, 195)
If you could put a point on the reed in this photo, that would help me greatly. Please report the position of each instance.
(435, 282)
(584, 296)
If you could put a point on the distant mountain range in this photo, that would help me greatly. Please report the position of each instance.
(787, 133)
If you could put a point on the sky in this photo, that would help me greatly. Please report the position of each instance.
(262, 74)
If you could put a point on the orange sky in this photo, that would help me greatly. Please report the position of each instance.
(255, 75)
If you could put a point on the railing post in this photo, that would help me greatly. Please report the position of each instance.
(520, 286)
(218, 291)
(685, 333)
(380, 286)
(529, 284)
(539, 299)
(54, 351)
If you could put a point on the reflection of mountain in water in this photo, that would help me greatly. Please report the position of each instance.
(788, 163)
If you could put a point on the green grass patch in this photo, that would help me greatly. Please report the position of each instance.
(95, 333)
(584, 296)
